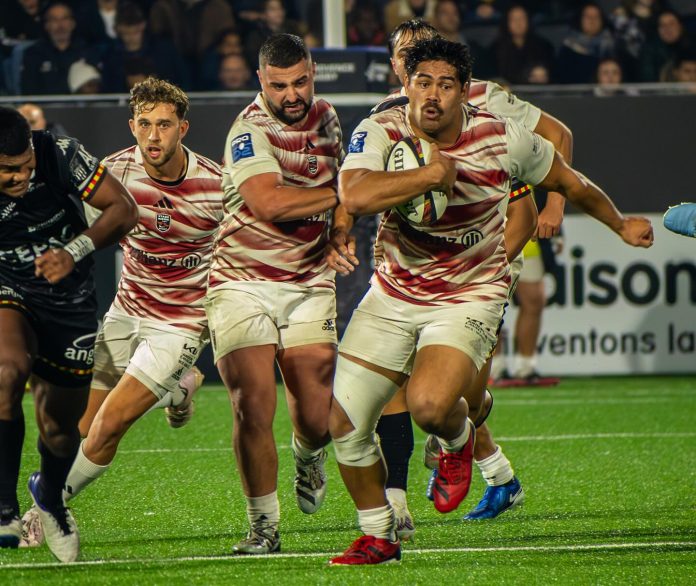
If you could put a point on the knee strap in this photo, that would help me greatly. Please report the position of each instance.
(362, 394)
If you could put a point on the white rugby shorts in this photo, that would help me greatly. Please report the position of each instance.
(388, 332)
(242, 314)
(155, 353)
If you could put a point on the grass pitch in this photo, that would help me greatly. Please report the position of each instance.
(608, 466)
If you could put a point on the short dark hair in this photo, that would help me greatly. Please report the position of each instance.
(129, 14)
(51, 5)
(15, 134)
(417, 28)
(283, 50)
(147, 94)
(438, 49)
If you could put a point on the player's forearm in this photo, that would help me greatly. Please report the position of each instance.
(364, 192)
(588, 197)
(116, 220)
(284, 203)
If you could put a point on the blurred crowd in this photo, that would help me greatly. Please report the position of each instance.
(106, 46)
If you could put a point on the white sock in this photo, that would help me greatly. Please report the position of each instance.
(82, 473)
(263, 508)
(496, 469)
(498, 366)
(379, 522)
(304, 454)
(525, 365)
(396, 495)
(458, 442)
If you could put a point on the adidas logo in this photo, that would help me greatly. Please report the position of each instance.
(329, 326)
(165, 203)
(309, 146)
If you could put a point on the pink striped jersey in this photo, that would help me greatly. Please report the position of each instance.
(248, 249)
(166, 257)
(461, 257)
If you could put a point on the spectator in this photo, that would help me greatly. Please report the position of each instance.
(234, 74)
(447, 21)
(660, 50)
(96, 21)
(482, 11)
(137, 70)
(191, 25)
(609, 79)
(538, 75)
(133, 41)
(20, 20)
(632, 21)
(273, 21)
(365, 26)
(228, 43)
(34, 114)
(590, 42)
(397, 11)
(683, 68)
(46, 63)
(84, 78)
(517, 47)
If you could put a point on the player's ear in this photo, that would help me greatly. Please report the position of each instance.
(131, 123)
(183, 128)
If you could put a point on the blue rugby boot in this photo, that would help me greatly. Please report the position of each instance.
(497, 500)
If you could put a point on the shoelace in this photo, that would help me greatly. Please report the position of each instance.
(260, 534)
(60, 514)
(451, 467)
(362, 548)
(312, 472)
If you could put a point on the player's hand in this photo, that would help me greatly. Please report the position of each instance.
(54, 265)
(637, 231)
(339, 252)
(444, 169)
(548, 223)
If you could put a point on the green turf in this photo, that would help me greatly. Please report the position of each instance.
(608, 466)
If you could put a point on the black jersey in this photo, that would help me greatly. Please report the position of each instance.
(49, 215)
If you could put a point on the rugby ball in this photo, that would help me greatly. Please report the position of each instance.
(425, 209)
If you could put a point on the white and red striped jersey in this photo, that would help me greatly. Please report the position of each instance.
(248, 249)
(166, 257)
(461, 257)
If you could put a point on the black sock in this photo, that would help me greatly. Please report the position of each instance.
(54, 472)
(396, 439)
(11, 441)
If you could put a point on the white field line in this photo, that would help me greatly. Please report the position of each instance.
(502, 438)
(661, 545)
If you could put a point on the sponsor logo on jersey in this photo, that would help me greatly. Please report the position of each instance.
(312, 164)
(242, 147)
(164, 203)
(82, 349)
(328, 326)
(163, 222)
(357, 142)
(471, 238)
(8, 211)
(190, 261)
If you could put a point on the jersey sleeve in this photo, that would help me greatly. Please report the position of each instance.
(368, 148)
(248, 152)
(531, 155)
(80, 172)
(506, 104)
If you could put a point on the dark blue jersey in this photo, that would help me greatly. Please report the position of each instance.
(49, 215)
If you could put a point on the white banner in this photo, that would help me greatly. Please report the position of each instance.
(614, 309)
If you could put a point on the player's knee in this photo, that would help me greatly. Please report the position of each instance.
(251, 412)
(430, 413)
(357, 448)
(13, 378)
